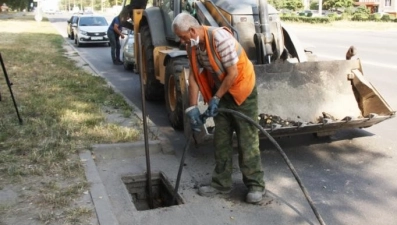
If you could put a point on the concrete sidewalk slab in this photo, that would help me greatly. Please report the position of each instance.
(116, 207)
(126, 150)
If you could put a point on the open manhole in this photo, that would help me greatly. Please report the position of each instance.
(162, 191)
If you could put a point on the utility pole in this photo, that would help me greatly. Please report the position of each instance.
(320, 7)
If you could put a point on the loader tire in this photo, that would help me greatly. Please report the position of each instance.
(173, 92)
(153, 88)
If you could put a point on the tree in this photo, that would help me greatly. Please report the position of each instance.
(293, 4)
(362, 10)
(278, 4)
(336, 4)
(17, 4)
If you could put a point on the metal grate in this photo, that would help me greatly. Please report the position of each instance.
(96, 34)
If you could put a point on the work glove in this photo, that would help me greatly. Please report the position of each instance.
(212, 109)
(196, 121)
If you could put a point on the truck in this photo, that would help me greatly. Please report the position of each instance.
(297, 94)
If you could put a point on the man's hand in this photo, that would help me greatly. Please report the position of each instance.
(212, 109)
(122, 36)
(196, 121)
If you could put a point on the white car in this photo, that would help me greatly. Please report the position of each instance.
(128, 50)
(91, 29)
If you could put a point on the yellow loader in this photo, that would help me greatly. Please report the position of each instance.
(297, 94)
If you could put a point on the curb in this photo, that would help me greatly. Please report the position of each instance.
(166, 146)
(98, 193)
(99, 196)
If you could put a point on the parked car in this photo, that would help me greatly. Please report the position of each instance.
(128, 50)
(90, 29)
(69, 28)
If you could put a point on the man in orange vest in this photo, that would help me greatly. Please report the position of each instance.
(222, 72)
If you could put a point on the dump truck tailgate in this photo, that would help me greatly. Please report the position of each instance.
(316, 97)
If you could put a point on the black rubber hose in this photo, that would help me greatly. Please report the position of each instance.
(178, 178)
(287, 161)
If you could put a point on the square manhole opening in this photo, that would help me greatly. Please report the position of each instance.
(162, 191)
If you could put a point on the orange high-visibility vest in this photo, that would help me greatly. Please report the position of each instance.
(245, 80)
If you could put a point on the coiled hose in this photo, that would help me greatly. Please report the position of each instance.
(287, 161)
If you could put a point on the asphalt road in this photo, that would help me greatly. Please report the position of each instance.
(351, 176)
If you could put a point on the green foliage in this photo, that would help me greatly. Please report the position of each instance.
(16, 4)
(336, 4)
(293, 4)
(375, 17)
(343, 3)
(387, 18)
(349, 10)
(306, 19)
(360, 17)
(345, 16)
(362, 10)
(314, 5)
(361, 14)
(278, 4)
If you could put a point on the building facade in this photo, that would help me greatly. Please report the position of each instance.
(379, 6)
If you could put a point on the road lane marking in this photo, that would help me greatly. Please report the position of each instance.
(364, 62)
(360, 49)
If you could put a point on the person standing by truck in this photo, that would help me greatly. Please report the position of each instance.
(227, 80)
(114, 34)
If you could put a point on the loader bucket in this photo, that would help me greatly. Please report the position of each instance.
(317, 97)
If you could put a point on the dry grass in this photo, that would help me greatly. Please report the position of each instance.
(62, 108)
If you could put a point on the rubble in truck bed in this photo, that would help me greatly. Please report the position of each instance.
(272, 121)
(275, 122)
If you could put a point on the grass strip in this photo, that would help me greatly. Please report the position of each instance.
(62, 107)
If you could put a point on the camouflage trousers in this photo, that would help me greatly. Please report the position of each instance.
(248, 144)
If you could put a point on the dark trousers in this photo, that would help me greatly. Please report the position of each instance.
(115, 46)
(249, 156)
